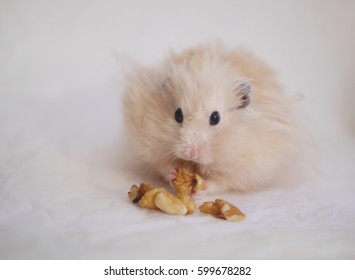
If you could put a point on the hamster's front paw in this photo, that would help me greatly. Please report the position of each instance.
(172, 175)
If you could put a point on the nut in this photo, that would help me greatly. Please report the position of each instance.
(186, 183)
(209, 207)
(169, 204)
(135, 194)
(223, 209)
(229, 211)
(151, 197)
(189, 203)
(148, 199)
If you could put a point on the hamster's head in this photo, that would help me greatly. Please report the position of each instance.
(207, 98)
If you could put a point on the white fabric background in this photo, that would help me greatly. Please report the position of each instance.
(62, 192)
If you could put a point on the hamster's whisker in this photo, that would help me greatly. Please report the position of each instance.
(166, 155)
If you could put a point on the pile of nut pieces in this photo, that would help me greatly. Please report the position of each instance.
(186, 184)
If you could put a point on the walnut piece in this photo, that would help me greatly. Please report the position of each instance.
(135, 194)
(223, 209)
(151, 197)
(209, 207)
(187, 183)
(170, 204)
(189, 203)
(148, 199)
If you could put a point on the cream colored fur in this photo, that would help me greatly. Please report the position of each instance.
(257, 146)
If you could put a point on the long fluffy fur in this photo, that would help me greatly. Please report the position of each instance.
(257, 146)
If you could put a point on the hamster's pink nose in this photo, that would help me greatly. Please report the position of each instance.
(193, 153)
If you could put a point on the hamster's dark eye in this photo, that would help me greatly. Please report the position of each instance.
(179, 117)
(214, 118)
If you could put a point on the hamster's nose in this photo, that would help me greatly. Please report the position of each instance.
(193, 153)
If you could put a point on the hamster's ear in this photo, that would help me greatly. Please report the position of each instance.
(243, 93)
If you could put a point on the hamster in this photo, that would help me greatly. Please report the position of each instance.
(220, 113)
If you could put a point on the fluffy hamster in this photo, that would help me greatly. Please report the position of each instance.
(220, 113)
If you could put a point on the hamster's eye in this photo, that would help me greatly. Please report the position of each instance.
(214, 118)
(179, 117)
